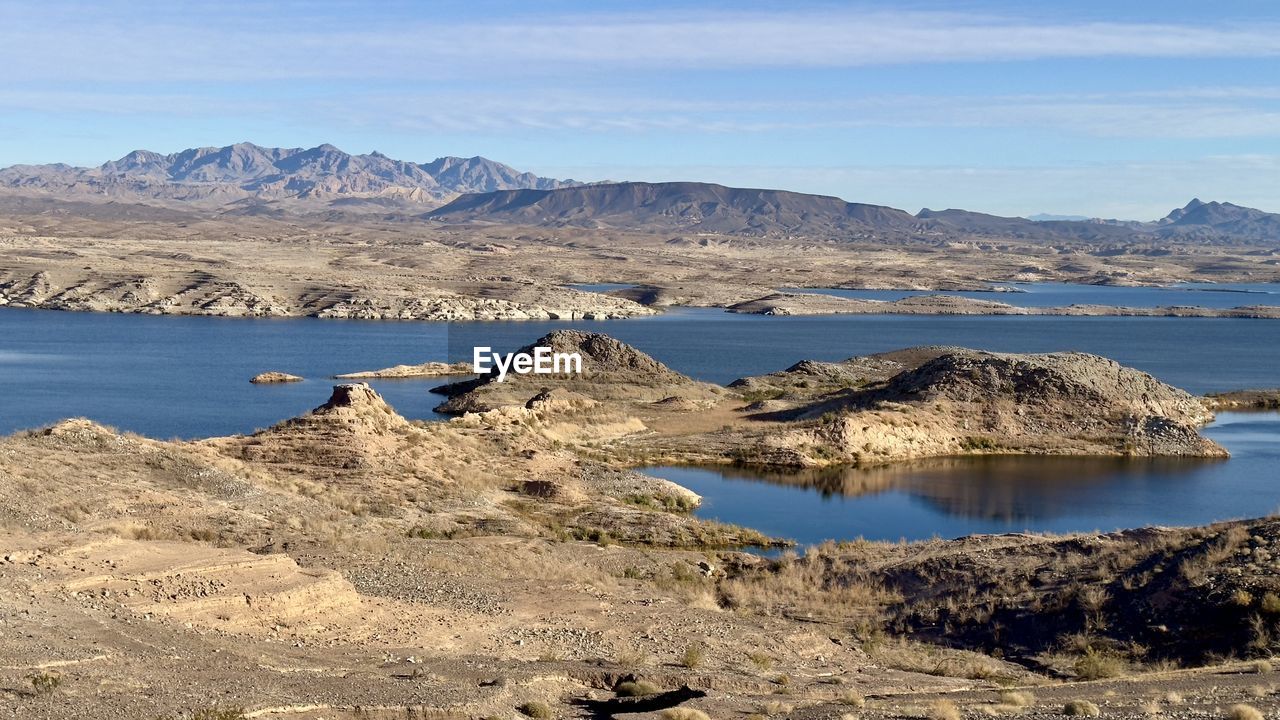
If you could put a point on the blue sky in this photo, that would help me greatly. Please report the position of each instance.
(1013, 108)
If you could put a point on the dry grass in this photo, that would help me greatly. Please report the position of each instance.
(820, 584)
(1081, 708)
(636, 688)
(1014, 698)
(692, 656)
(681, 713)
(852, 699)
(1094, 665)
(537, 710)
(943, 710)
(1244, 712)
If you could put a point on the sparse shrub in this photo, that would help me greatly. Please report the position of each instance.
(1094, 665)
(943, 710)
(979, 442)
(1243, 598)
(45, 683)
(1080, 708)
(692, 656)
(666, 503)
(633, 659)
(1243, 712)
(537, 710)
(760, 660)
(681, 713)
(852, 699)
(636, 688)
(1270, 603)
(1013, 698)
(1261, 666)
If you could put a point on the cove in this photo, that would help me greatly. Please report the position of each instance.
(953, 497)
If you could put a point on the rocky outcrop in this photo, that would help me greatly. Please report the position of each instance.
(611, 371)
(957, 401)
(274, 376)
(354, 430)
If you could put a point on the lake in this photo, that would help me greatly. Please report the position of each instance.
(1210, 295)
(953, 497)
(189, 376)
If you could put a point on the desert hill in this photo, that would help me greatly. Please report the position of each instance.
(676, 205)
(937, 401)
(711, 208)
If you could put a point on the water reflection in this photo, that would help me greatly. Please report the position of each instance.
(950, 497)
(1006, 489)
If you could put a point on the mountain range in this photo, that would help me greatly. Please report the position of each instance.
(705, 207)
(249, 179)
(246, 173)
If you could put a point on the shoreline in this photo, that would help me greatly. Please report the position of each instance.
(771, 305)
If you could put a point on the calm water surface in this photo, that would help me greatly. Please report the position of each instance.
(188, 376)
(961, 496)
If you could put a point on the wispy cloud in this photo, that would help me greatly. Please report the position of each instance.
(144, 42)
(1187, 113)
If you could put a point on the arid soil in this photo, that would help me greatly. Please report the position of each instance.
(350, 563)
(130, 258)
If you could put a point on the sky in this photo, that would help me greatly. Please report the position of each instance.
(1103, 109)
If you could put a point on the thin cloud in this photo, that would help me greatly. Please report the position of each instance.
(130, 44)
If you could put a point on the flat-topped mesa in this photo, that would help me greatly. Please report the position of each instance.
(611, 371)
(953, 401)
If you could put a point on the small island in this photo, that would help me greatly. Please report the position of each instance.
(427, 369)
(273, 377)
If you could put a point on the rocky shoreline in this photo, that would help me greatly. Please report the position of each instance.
(784, 304)
(208, 294)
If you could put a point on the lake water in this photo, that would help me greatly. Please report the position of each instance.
(1211, 295)
(188, 376)
(961, 496)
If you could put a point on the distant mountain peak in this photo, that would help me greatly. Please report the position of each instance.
(245, 171)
